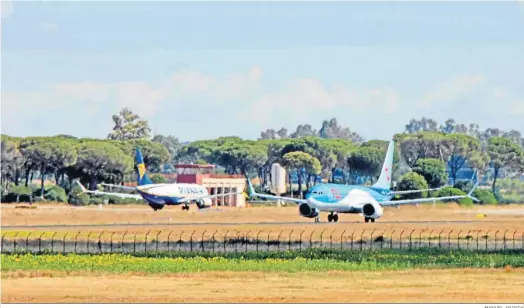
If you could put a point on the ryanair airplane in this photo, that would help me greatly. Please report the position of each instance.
(159, 195)
(353, 199)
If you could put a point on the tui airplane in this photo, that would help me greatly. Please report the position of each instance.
(353, 199)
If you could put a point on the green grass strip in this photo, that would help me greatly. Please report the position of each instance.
(309, 261)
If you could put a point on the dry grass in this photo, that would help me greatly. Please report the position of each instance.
(245, 221)
(413, 286)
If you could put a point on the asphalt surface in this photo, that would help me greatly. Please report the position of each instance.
(250, 223)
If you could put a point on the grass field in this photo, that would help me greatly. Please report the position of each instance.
(326, 278)
(410, 286)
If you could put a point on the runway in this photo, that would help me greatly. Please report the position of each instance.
(277, 223)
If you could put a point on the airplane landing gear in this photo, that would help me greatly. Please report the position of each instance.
(367, 219)
(185, 207)
(317, 219)
(333, 217)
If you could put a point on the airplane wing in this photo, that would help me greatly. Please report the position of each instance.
(422, 200)
(131, 188)
(198, 197)
(251, 192)
(403, 192)
(96, 192)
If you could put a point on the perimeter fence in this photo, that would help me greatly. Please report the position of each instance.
(260, 240)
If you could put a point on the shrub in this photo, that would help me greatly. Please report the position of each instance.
(465, 201)
(158, 179)
(56, 193)
(485, 196)
(78, 197)
(96, 200)
(20, 192)
(433, 170)
(465, 186)
(413, 181)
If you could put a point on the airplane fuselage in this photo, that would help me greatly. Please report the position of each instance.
(172, 194)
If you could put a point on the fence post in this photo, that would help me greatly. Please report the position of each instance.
(420, 238)
(410, 238)
(439, 238)
(513, 237)
(342, 240)
(467, 240)
(257, 238)
(267, 242)
(76, 242)
(449, 239)
(63, 241)
(14, 242)
(382, 239)
(311, 239)
(496, 239)
(27, 241)
(237, 239)
(111, 244)
(246, 240)
(88, 236)
(214, 240)
(504, 240)
(145, 241)
(321, 238)
(400, 239)
(289, 240)
(180, 241)
(458, 238)
(191, 240)
(352, 238)
(486, 235)
(169, 242)
(429, 238)
(278, 239)
(40, 242)
(156, 249)
(225, 239)
(3, 240)
(361, 239)
(371, 239)
(122, 241)
(478, 239)
(53, 242)
(331, 239)
(99, 242)
(391, 240)
(134, 242)
(202, 240)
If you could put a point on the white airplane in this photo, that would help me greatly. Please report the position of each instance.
(367, 201)
(159, 195)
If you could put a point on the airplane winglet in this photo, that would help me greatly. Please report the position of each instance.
(250, 189)
(81, 186)
(471, 192)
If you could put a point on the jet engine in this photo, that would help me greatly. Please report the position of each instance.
(203, 203)
(372, 211)
(306, 211)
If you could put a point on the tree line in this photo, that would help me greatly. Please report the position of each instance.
(422, 154)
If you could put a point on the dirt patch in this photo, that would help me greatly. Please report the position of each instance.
(411, 286)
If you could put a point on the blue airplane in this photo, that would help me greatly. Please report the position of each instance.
(159, 195)
(368, 201)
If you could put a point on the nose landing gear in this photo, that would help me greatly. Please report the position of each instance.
(367, 219)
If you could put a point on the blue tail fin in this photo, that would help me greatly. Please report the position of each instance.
(141, 172)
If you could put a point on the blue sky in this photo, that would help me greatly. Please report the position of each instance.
(203, 70)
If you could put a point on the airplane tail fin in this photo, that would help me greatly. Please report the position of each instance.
(384, 181)
(141, 172)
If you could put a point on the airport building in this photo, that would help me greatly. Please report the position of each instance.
(215, 183)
